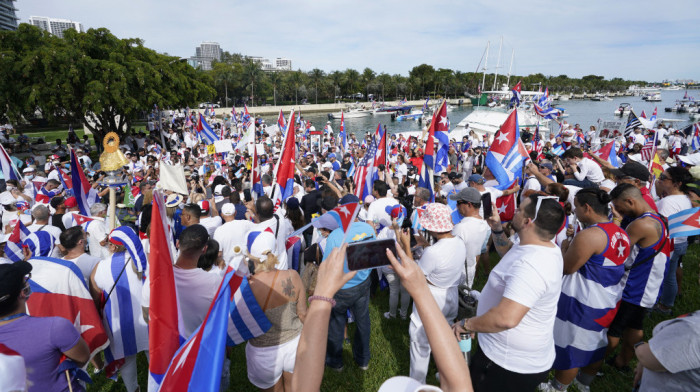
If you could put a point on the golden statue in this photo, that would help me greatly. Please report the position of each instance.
(112, 159)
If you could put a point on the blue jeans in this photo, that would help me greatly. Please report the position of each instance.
(585, 183)
(669, 288)
(357, 300)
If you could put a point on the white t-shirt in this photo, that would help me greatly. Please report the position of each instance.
(530, 184)
(590, 170)
(53, 230)
(282, 233)
(672, 204)
(530, 275)
(231, 234)
(211, 223)
(86, 263)
(377, 210)
(495, 194)
(474, 233)
(443, 263)
(97, 231)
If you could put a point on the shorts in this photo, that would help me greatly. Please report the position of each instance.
(266, 364)
(628, 316)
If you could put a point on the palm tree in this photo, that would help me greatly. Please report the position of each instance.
(275, 79)
(225, 76)
(253, 72)
(351, 77)
(337, 78)
(316, 76)
(384, 80)
(367, 78)
(296, 77)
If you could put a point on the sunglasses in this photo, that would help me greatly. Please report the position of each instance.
(663, 177)
(539, 203)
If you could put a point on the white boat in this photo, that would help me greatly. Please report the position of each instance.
(564, 97)
(623, 109)
(652, 97)
(414, 115)
(484, 120)
(600, 97)
(352, 113)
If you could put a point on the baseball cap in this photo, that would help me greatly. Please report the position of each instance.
(467, 194)
(368, 199)
(292, 203)
(632, 169)
(71, 202)
(12, 280)
(350, 198)
(261, 243)
(204, 206)
(218, 189)
(548, 165)
(452, 175)
(6, 198)
(228, 209)
(476, 178)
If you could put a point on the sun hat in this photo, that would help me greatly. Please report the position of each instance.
(173, 200)
(437, 217)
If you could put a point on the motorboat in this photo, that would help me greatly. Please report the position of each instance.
(414, 115)
(600, 97)
(352, 113)
(564, 97)
(652, 97)
(392, 109)
(623, 109)
(485, 120)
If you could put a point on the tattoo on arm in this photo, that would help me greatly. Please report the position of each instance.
(502, 243)
(288, 288)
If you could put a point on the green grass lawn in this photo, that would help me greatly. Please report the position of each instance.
(389, 346)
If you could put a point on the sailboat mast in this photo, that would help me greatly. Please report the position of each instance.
(498, 65)
(486, 62)
(510, 68)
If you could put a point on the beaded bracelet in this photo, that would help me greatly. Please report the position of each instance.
(329, 300)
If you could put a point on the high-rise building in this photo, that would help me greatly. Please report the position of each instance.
(282, 64)
(8, 18)
(205, 53)
(55, 26)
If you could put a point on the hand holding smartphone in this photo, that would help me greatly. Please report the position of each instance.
(369, 254)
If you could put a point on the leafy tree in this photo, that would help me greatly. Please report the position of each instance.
(316, 76)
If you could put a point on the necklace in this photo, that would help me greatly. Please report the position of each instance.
(12, 317)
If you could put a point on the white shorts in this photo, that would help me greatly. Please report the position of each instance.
(266, 364)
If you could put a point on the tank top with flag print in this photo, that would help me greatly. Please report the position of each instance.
(646, 268)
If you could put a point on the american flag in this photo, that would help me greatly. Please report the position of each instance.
(648, 150)
(364, 166)
(536, 142)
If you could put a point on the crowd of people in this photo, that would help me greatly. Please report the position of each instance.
(584, 256)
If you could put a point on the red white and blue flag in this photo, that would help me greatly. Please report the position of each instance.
(685, 223)
(13, 246)
(607, 153)
(280, 122)
(164, 320)
(256, 175)
(366, 172)
(284, 171)
(204, 131)
(59, 290)
(506, 205)
(537, 142)
(342, 135)
(517, 96)
(293, 245)
(695, 138)
(83, 192)
(64, 177)
(197, 365)
(9, 170)
(427, 169)
(247, 120)
(653, 115)
(506, 155)
(441, 130)
(13, 372)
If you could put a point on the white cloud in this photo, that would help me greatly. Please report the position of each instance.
(634, 40)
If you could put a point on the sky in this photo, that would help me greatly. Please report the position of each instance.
(635, 40)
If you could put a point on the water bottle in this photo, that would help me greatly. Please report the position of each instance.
(465, 346)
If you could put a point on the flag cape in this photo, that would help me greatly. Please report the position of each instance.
(83, 192)
(163, 328)
(284, 172)
(13, 371)
(59, 290)
(685, 223)
(506, 155)
(197, 365)
(293, 245)
(13, 246)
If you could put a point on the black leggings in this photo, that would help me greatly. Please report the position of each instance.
(487, 376)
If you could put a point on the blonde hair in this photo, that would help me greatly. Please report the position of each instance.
(265, 265)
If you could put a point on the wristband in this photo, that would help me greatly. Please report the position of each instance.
(639, 344)
(497, 232)
(329, 300)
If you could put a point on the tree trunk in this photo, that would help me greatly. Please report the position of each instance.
(274, 93)
(226, 90)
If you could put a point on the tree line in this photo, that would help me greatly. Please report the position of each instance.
(108, 82)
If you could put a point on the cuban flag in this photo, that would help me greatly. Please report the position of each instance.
(256, 175)
(427, 170)
(197, 365)
(441, 130)
(425, 105)
(695, 140)
(507, 205)
(545, 110)
(456, 216)
(41, 195)
(40, 243)
(506, 155)
(341, 216)
(607, 153)
(84, 193)
(517, 96)
(558, 149)
(284, 171)
(293, 246)
(342, 135)
(13, 246)
(280, 122)
(234, 119)
(164, 320)
(65, 178)
(685, 223)
(9, 170)
(643, 115)
(59, 290)
(204, 131)
(247, 120)
(653, 115)
(13, 372)
(580, 139)
(403, 101)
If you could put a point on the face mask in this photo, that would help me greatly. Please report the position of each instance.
(29, 176)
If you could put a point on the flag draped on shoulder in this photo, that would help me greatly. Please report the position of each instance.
(83, 192)
(685, 223)
(197, 365)
(59, 290)
(506, 155)
(13, 246)
(206, 134)
(607, 153)
(163, 329)
(284, 171)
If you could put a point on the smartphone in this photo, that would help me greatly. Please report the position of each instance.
(369, 254)
(486, 205)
